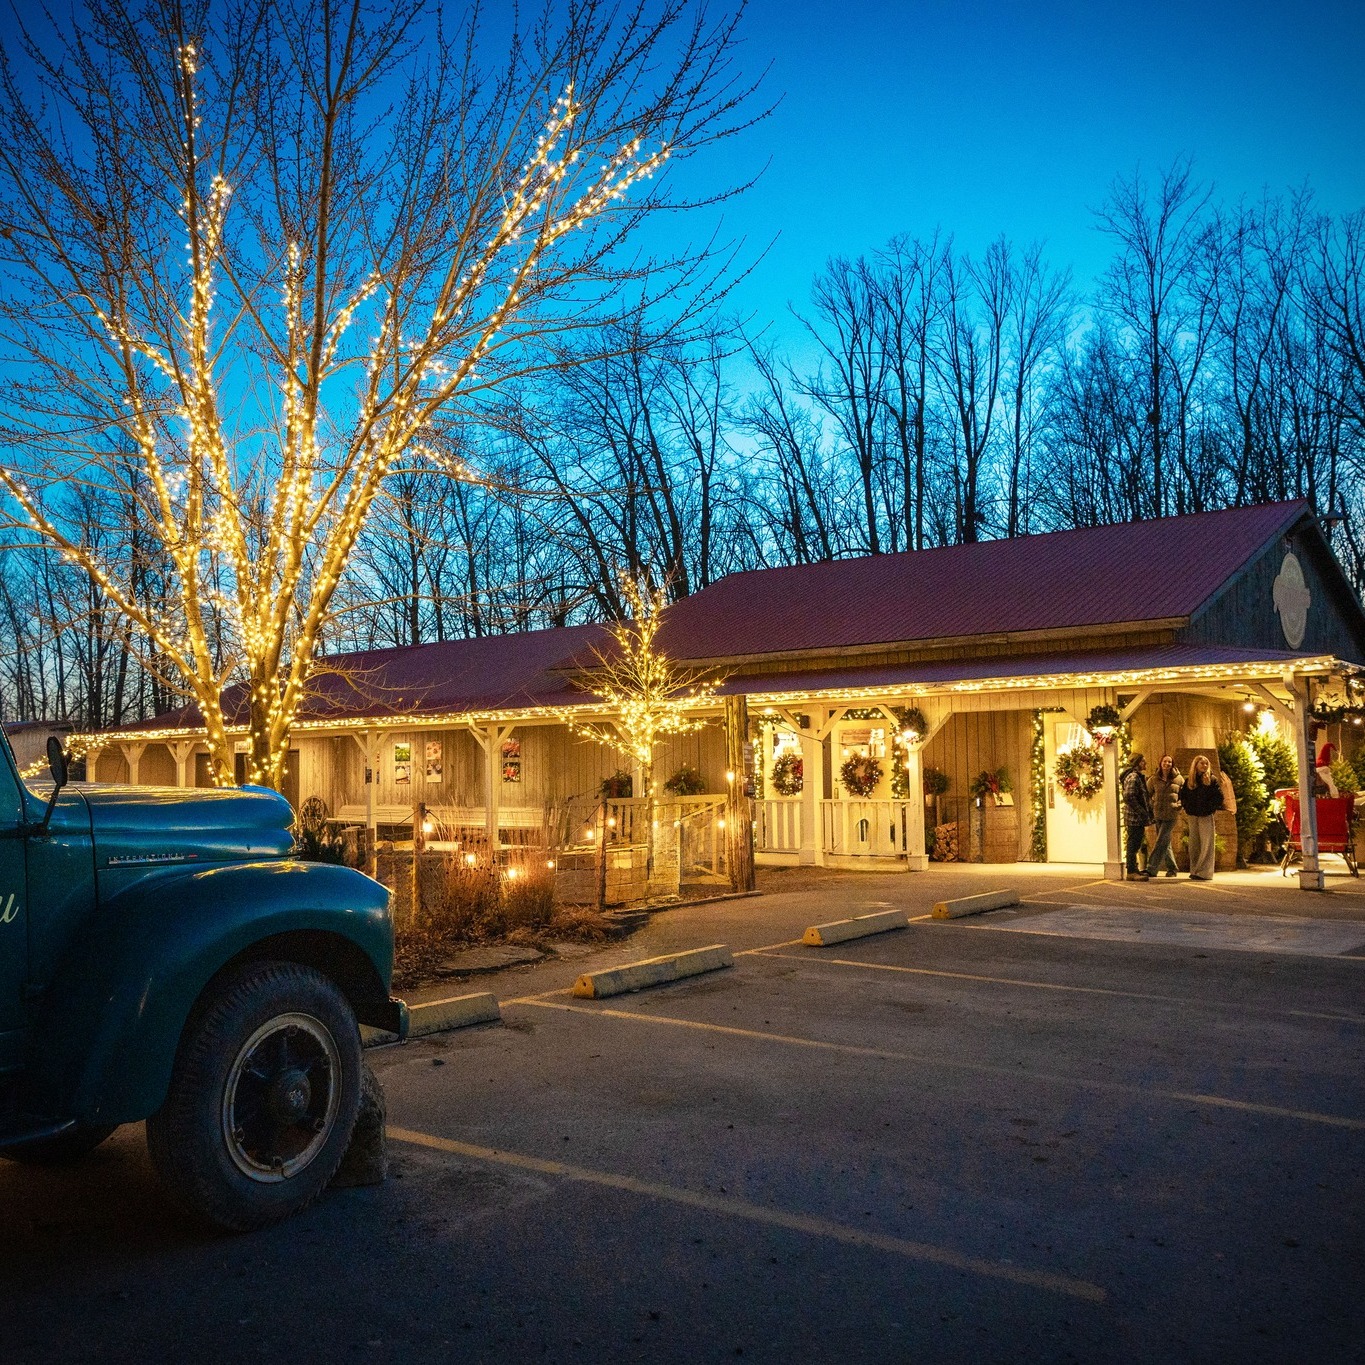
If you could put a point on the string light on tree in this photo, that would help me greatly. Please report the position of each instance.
(349, 336)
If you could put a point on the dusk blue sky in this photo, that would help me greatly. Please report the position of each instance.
(985, 118)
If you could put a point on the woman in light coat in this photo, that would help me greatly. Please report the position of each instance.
(1164, 787)
(1202, 799)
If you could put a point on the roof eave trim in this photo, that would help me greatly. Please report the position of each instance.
(935, 643)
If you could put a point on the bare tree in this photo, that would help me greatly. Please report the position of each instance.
(798, 495)
(256, 251)
(1153, 290)
(970, 360)
(908, 300)
(849, 384)
(1038, 322)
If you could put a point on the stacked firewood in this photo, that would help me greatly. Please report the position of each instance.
(945, 843)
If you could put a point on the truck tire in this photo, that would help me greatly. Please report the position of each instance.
(60, 1150)
(263, 1097)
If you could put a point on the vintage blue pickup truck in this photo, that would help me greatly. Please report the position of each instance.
(164, 957)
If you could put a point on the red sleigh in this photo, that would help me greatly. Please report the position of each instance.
(1335, 835)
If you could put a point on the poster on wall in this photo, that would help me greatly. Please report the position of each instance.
(511, 760)
(402, 764)
(434, 760)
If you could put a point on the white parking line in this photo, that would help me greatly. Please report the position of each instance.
(954, 1064)
(1183, 1001)
(729, 1207)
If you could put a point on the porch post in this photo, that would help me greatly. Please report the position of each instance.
(739, 822)
(133, 753)
(366, 741)
(812, 779)
(181, 750)
(1310, 873)
(915, 857)
(1113, 845)
(492, 753)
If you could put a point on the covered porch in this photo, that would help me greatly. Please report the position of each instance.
(1005, 723)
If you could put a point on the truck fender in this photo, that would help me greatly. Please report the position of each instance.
(110, 1021)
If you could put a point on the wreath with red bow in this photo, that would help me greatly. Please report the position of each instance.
(1080, 771)
(860, 775)
(789, 774)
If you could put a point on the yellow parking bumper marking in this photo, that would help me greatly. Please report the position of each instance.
(729, 1207)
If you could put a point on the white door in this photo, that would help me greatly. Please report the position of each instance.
(1075, 829)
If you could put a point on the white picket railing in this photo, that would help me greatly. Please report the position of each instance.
(777, 824)
(864, 828)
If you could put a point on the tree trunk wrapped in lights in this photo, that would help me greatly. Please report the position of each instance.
(257, 256)
(649, 696)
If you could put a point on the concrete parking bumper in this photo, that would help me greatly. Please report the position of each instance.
(654, 971)
(860, 926)
(975, 905)
(440, 1016)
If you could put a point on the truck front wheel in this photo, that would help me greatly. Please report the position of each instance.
(262, 1099)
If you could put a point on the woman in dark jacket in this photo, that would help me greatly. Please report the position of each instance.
(1164, 788)
(1202, 798)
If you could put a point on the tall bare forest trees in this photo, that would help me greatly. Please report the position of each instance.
(942, 396)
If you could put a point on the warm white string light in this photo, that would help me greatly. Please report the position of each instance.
(268, 566)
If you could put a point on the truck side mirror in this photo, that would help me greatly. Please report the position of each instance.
(56, 762)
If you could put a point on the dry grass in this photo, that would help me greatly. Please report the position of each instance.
(464, 904)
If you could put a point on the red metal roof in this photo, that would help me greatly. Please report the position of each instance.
(1144, 571)
(1103, 575)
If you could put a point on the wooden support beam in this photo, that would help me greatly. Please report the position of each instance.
(181, 749)
(1126, 712)
(1283, 709)
(1113, 838)
(132, 753)
(739, 821)
(492, 742)
(368, 741)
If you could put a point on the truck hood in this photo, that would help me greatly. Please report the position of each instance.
(138, 828)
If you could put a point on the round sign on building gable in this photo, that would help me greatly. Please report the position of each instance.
(1292, 600)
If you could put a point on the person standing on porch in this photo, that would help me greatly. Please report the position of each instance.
(1202, 798)
(1137, 809)
(1164, 788)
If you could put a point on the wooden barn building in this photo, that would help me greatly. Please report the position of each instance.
(984, 663)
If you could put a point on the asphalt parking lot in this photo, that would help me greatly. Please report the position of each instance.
(1113, 1124)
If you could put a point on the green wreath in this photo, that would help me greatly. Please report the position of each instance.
(789, 775)
(1103, 717)
(860, 775)
(912, 718)
(1080, 771)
